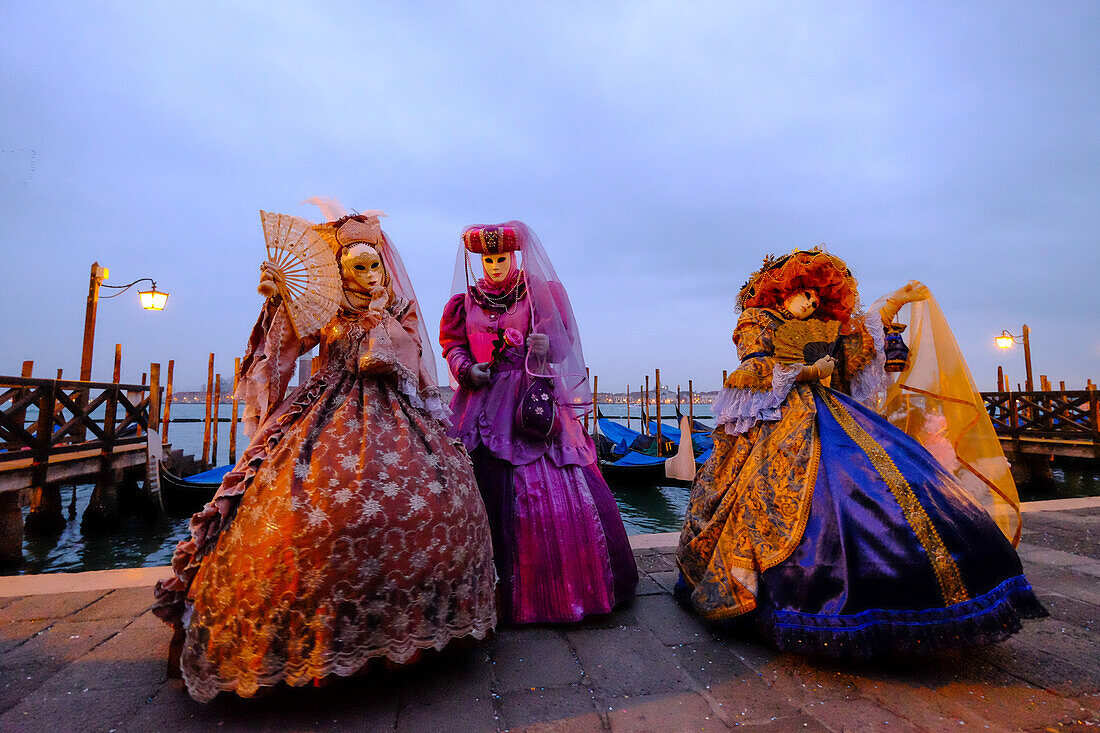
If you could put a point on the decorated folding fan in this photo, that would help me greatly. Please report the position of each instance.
(804, 342)
(311, 285)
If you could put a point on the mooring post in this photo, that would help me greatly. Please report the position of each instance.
(21, 416)
(217, 411)
(209, 397)
(628, 406)
(595, 398)
(167, 402)
(657, 390)
(1094, 416)
(233, 419)
(691, 405)
(645, 408)
(46, 515)
(587, 375)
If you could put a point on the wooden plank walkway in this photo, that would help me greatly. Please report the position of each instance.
(92, 658)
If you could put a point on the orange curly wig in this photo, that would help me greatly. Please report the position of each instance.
(836, 288)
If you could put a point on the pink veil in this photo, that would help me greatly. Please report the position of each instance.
(551, 312)
(332, 210)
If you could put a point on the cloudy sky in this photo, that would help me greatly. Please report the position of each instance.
(659, 150)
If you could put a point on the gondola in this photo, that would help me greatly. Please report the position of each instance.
(626, 457)
(182, 497)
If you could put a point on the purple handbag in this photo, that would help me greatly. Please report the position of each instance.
(536, 411)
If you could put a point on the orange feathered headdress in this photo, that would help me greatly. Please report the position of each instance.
(778, 277)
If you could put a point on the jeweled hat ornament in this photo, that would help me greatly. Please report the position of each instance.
(353, 228)
(490, 239)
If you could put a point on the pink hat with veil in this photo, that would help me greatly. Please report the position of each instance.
(551, 312)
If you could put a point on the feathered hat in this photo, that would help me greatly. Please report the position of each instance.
(778, 277)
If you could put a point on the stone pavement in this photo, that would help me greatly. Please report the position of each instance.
(92, 659)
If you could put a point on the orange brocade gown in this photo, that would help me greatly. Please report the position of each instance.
(352, 527)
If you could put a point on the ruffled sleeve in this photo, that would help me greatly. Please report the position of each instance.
(268, 364)
(868, 380)
(756, 390)
(453, 339)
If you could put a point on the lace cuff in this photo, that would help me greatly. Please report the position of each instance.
(740, 409)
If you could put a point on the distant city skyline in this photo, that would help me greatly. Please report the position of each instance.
(658, 149)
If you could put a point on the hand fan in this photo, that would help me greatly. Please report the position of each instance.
(804, 342)
(311, 285)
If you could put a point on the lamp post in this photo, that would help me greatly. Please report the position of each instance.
(1006, 340)
(151, 299)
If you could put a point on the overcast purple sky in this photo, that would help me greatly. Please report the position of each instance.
(658, 149)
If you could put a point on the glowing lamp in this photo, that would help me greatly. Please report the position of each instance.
(1005, 340)
(153, 300)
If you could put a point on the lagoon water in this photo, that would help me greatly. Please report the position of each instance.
(140, 541)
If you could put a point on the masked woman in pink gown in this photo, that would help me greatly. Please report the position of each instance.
(513, 348)
(351, 529)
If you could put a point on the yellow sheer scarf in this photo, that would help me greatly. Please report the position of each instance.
(936, 401)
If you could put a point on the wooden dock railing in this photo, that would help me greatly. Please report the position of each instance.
(1052, 422)
(64, 423)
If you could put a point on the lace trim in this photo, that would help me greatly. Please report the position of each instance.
(344, 665)
(740, 409)
(870, 383)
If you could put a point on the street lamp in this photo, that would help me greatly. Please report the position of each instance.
(1006, 340)
(151, 299)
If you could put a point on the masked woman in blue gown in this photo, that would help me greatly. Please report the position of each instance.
(835, 531)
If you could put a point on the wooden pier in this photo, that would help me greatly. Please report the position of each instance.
(51, 435)
(1039, 427)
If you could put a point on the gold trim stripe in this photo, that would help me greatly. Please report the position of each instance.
(947, 572)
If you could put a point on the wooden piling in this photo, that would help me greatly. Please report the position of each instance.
(595, 402)
(645, 408)
(587, 429)
(691, 404)
(21, 418)
(209, 397)
(167, 402)
(46, 513)
(628, 406)
(233, 420)
(154, 396)
(217, 410)
(1000, 379)
(657, 389)
(1094, 411)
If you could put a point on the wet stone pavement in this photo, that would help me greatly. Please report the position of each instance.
(94, 660)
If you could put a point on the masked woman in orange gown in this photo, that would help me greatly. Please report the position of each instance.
(351, 528)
